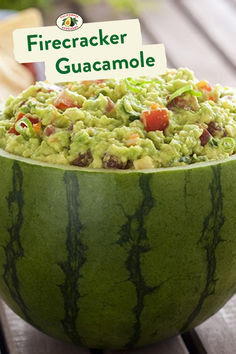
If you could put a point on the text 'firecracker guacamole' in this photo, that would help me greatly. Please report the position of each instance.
(170, 120)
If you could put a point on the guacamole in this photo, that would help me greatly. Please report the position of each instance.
(134, 123)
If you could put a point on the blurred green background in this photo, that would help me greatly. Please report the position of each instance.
(133, 6)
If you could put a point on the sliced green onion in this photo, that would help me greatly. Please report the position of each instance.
(227, 144)
(22, 124)
(184, 89)
(132, 81)
(195, 93)
(149, 82)
(136, 86)
(131, 87)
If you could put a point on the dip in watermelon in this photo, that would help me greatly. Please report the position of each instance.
(117, 207)
(171, 120)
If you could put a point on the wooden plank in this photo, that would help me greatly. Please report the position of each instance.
(232, 3)
(229, 314)
(193, 342)
(103, 12)
(21, 338)
(218, 334)
(171, 346)
(186, 44)
(217, 22)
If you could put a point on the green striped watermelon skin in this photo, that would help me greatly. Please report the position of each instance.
(116, 259)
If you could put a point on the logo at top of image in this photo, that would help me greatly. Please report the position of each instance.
(69, 21)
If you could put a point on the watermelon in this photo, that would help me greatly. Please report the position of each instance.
(116, 258)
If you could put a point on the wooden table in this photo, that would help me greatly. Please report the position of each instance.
(215, 336)
(200, 35)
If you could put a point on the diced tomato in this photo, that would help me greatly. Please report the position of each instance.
(34, 121)
(48, 90)
(20, 115)
(212, 98)
(22, 103)
(110, 105)
(155, 119)
(49, 130)
(37, 127)
(87, 82)
(189, 103)
(90, 82)
(13, 130)
(204, 85)
(205, 137)
(214, 129)
(63, 101)
(156, 106)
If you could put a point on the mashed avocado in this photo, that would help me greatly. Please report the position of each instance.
(170, 120)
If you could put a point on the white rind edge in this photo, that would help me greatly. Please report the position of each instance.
(196, 165)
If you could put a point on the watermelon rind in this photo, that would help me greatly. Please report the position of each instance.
(116, 259)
